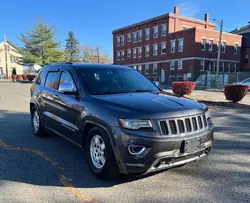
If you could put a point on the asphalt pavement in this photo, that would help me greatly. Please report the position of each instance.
(51, 169)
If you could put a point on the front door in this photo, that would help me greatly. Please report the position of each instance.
(163, 75)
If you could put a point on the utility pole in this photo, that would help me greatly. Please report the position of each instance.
(6, 56)
(220, 23)
(98, 55)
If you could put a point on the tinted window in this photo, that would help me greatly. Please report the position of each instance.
(246, 81)
(41, 77)
(52, 80)
(66, 78)
(114, 81)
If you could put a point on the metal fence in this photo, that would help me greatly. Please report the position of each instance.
(213, 81)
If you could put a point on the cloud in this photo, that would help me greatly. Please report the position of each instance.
(189, 8)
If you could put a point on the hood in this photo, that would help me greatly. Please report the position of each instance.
(151, 103)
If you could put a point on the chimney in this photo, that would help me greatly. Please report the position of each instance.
(207, 17)
(177, 10)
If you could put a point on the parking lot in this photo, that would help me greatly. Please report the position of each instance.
(52, 169)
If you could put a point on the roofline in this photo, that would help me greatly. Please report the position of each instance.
(241, 28)
(160, 17)
(9, 42)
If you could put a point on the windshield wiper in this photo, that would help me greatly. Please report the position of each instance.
(143, 91)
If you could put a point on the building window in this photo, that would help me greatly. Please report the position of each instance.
(224, 45)
(134, 36)
(122, 55)
(173, 46)
(180, 45)
(210, 45)
(134, 53)
(135, 67)
(202, 65)
(12, 59)
(140, 68)
(129, 53)
(203, 44)
(147, 49)
(7, 47)
(140, 52)
(179, 64)
(245, 59)
(235, 67)
(129, 37)
(172, 65)
(118, 39)
(222, 67)
(155, 31)
(228, 67)
(155, 70)
(163, 30)
(235, 48)
(163, 48)
(155, 50)
(147, 34)
(122, 40)
(118, 56)
(146, 69)
(139, 35)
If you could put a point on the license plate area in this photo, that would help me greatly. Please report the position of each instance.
(192, 145)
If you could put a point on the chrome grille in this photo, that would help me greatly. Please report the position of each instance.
(182, 126)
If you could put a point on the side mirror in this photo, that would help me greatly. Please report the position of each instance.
(67, 88)
(156, 83)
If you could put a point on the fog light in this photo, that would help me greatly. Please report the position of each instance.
(135, 149)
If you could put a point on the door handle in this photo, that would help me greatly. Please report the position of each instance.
(55, 97)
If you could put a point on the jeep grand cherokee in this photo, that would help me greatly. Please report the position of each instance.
(124, 123)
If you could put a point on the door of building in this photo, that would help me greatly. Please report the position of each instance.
(163, 75)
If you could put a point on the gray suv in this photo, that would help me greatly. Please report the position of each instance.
(124, 123)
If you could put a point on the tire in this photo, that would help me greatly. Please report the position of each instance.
(38, 130)
(108, 169)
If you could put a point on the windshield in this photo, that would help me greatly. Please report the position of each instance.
(100, 81)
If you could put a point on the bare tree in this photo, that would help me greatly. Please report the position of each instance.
(95, 55)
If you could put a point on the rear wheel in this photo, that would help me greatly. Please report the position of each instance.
(100, 155)
(36, 123)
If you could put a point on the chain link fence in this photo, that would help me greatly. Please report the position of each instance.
(214, 81)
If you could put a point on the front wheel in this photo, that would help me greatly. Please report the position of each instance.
(36, 124)
(100, 154)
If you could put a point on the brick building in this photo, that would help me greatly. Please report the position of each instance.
(245, 53)
(173, 47)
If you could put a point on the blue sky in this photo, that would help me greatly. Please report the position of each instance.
(93, 21)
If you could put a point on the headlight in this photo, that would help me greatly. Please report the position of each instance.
(207, 114)
(135, 124)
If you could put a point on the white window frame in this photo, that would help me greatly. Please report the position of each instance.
(202, 67)
(155, 51)
(135, 38)
(223, 66)
(129, 53)
(146, 69)
(204, 45)
(155, 68)
(129, 37)
(147, 47)
(134, 53)
(237, 46)
(147, 37)
(235, 67)
(155, 34)
(165, 44)
(118, 55)
(162, 30)
(140, 68)
(139, 38)
(222, 46)
(135, 67)
(172, 65)
(180, 65)
(139, 52)
(173, 42)
(118, 41)
(122, 55)
(179, 40)
(210, 46)
(229, 67)
(122, 40)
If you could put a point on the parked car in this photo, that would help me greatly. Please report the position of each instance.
(244, 82)
(124, 122)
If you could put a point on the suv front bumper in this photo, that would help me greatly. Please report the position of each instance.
(162, 152)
